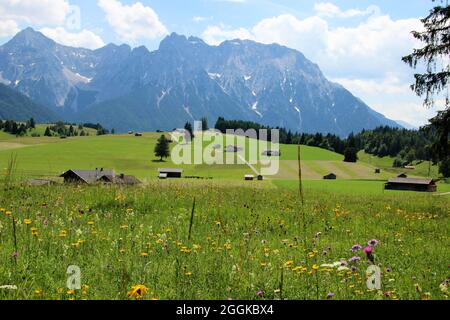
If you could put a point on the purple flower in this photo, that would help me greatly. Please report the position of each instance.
(344, 263)
(354, 268)
(373, 242)
(368, 250)
(260, 294)
(354, 259)
(15, 254)
(356, 247)
(330, 296)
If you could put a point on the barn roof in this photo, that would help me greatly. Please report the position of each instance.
(90, 176)
(411, 181)
(169, 170)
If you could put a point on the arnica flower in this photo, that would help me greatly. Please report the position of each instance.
(144, 254)
(330, 296)
(373, 242)
(138, 291)
(27, 221)
(34, 231)
(8, 213)
(356, 247)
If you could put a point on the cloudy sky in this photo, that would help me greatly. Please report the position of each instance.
(358, 43)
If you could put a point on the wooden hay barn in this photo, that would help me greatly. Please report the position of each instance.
(330, 176)
(402, 175)
(409, 184)
(249, 177)
(170, 173)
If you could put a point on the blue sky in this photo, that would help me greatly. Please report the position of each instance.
(358, 43)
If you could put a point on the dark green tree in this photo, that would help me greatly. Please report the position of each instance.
(188, 128)
(205, 124)
(434, 81)
(351, 155)
(162, 148)
(47, 132)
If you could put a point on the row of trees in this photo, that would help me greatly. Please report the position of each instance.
(17, 128)
(62, 129)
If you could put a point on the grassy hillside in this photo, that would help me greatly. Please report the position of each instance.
(49, 156)
(421, 170)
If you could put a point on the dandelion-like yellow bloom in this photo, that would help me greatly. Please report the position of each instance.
(27, 221)
(8, 213)
(91, 223)
(34, 231)
(70, 292)
(138, 291)
(188, 274)
(63, 233)
(144, 254)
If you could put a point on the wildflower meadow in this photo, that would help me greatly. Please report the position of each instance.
(209, 240)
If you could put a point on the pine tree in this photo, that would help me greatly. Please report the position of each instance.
(162, 148)
(47, 132)
(435, 80)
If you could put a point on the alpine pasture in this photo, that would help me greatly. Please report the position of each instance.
(222, 238)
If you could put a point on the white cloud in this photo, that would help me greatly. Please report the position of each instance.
(327, 9)
(83, 39)
(8, 28)
(217, 34)
(42, 12)
(133, 22)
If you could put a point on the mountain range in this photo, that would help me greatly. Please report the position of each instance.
(184, 80)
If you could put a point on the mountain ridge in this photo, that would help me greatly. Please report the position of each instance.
(184, 79)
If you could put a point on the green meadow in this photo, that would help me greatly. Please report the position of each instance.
(222, 238)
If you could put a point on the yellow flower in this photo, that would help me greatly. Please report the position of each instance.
(63, 233)
(124, 227)
(138, 291)
(144, 254)
(70, 292)
(91, 223)
(2, 209)
(315, 267)
(27, 221)
(8, 213)
(188, 274)
(34, 231)
(38, 292)
(289, 264)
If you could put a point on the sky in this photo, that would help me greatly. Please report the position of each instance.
(357, 43)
